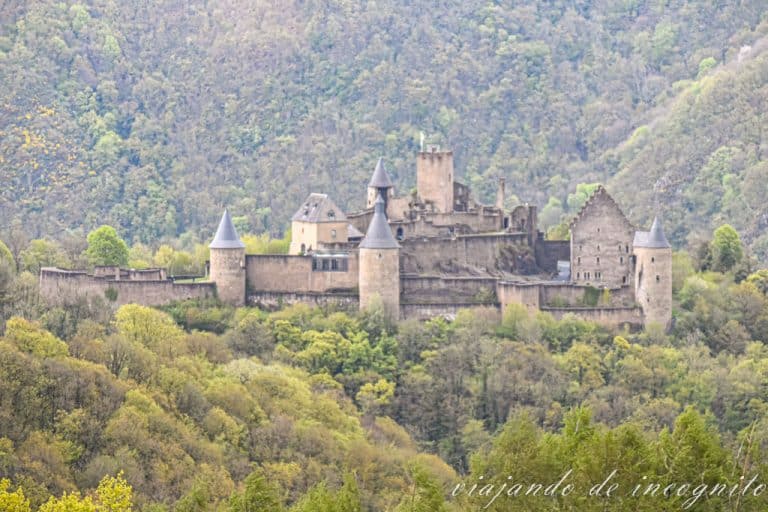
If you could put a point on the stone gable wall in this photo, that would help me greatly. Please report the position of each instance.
(601, 244)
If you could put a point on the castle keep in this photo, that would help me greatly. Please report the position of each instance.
(419, 255)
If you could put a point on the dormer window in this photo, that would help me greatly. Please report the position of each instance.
(331, 214)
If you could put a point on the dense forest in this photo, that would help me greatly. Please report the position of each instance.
(197, 406)
(151, 116)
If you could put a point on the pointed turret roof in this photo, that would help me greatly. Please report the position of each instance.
(226, 236)
(379, 235)
(380, 178)
(654, 238)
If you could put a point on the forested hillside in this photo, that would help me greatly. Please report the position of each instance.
(200, 407)
(151, 116)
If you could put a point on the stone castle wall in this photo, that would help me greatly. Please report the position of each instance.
(272, 301)
(549, 252)
(292, 273)
(607, 316)
(61, 287)
(447, 289)
(539, 295)
(494, 253)
(419, 311)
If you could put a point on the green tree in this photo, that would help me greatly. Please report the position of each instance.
(259, 494)
(726, 248)
(424, 495)
(106, 248)
(12, 501)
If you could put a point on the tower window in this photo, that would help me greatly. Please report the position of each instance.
(598, 260)
(333, 233)
(653, 260)
(658, 278)
(623, 279)
(578, 260)
(578, 275)
(399, 233)
(621, 259)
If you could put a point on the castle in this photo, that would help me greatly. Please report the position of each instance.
(420, 255)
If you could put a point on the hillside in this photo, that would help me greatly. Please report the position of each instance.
(702, 161)
(151, 116)
(204, 408)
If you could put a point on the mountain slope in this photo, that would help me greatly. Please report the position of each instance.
(151, 115)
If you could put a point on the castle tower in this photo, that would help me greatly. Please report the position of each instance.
(379, 264)
(228, 263)
(434, 178)
(380, 184)
(653, 274)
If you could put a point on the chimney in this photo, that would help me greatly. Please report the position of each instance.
(500, 195)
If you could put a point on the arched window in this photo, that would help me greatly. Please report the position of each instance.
(400, 233)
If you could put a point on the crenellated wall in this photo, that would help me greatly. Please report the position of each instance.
(60, 287)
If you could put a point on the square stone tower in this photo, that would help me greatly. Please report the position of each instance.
(434, 178)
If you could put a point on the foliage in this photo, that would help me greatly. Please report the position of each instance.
(726, 249)
(103, 120)
(106, 248)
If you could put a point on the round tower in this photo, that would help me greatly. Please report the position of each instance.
(228, 263)
(653, 274)
(379, 265)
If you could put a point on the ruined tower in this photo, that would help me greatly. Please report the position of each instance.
(379, 267)
(380, 184)
(653, 274)
(228, 263)
(434, 178)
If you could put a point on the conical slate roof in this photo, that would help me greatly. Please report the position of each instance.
(653, 239)
(379, 235)
(226, 236)
(380, 178)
